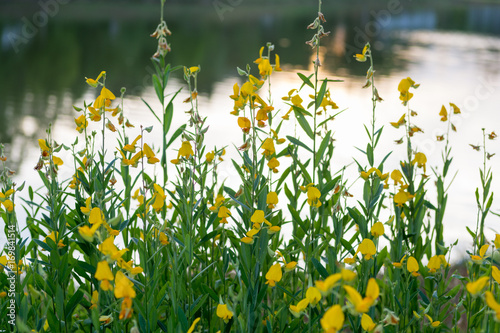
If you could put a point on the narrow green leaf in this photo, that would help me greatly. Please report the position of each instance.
(303, 122)
(158, 88)
(298, 143)
(306, 80)
(321, 149)
(321, 94)
(320, 268)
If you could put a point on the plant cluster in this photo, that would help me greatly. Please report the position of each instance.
(138, 241)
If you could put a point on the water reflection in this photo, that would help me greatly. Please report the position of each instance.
(454, 52)
(45, 77)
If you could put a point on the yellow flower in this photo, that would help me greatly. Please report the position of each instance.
(492, 303)
(273, 164)
(109, 249)
(57, 161)
(94, 83)
(432, 322)
(333, 319)
(404, 87)
(258, 217)
(245, 124)
(420, 160)
(105, 319)
(88, 233)
(86, 210)
(362, 305)
(124, 288)
(126, 308)
(265, 67)
(3, 262)
(247, 240)
(247, 89)
(482, 252)
(268, 146)
(367, 248)
(377, 229)
(272, 200)
(400, 263)
(274, 275)
(95, 115)
(366, 174)
(456, 109)
(223, 214)
(412, 266)
(474, 288)
(397, 176)
(277, 67)
(497, 241)
(347, 275)
(96, 216)
(104, 274)
(400, 122)
(495, 273)
(210, 157)
(224, 313)
(326, 286)
(43, 145)
(9, 205)
(186, 150)
(131, 146)
(443, 113)
(163, 238)
(94, 299)
(53, 236)
(193, 325)
(81, 123)
(313, 295)
(300, 308)
(107, 94)
(273, 229)
(159, 197)
(367, 323)
(150, 155)
(435, 263)
(313, 195)
(290, 266)
(362, 57)
(402, 197)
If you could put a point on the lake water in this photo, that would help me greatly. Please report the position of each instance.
(452, 51)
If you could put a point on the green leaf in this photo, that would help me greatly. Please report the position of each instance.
(176, 134)
(306, 80)
(168, 115)
(72, 303)
(151, 109)
(303, 122)
(43, 245)
(321, 149)
(59, 302)
(320, 268)
(298, 143)
(210, 292)
(321, 94)
(182, 319)
(53, 321)
(241, 72)
(369, 154)
(158, 88)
